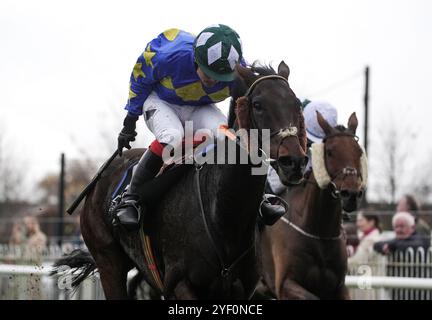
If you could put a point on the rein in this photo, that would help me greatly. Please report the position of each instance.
(310, 235)
(303, 232)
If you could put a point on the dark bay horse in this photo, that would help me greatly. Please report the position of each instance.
(203, 229)
(304, 253)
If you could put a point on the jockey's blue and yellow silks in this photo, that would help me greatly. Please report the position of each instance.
(167, 67)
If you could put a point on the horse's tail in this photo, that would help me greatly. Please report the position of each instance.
(80, 263)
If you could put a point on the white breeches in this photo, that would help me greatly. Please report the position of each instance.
(167, 121)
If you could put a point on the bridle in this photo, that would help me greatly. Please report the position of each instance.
(334, 191)
(344, 172)
(283, 133)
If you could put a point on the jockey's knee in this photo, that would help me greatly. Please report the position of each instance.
(171, 140)
(171, 136)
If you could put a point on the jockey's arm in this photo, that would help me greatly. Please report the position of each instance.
(142, 81)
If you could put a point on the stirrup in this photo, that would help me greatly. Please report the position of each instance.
(120, 205)
(272, 208)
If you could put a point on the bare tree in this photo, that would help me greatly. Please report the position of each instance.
(11, 178)
(395, 142)
(422, 181)
(78, 175)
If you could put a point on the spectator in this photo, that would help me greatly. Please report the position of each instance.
(370, 230)
(17, 237)
(36, 243)
(36, 239)
(406, 235)
(17, 242)
(409, 204)
(369, 233)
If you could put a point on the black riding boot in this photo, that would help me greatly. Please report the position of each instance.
(128, 212)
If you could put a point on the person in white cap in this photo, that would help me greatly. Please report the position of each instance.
(314, 133)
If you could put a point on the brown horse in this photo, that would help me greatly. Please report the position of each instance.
(304, 253)
(203, 228)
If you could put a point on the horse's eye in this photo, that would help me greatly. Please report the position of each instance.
(257, 105)
(329, 153)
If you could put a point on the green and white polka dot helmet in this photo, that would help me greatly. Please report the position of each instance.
(217, 50)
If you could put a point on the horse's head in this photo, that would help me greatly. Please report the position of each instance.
(339, 163)
(271, 104)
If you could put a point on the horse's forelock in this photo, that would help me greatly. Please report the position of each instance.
(341, 128)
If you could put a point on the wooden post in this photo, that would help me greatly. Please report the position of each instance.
(61, 199)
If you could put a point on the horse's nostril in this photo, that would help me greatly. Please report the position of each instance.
(345, 194)
(286, 162)
(360, 194)
(293, 162)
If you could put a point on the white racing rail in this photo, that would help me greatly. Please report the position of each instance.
(375, 282)
(26, 282)
(88, 288)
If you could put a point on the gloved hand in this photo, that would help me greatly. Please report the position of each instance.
(127, 134)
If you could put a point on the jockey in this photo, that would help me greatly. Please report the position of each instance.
(314, 133)
(178, 78)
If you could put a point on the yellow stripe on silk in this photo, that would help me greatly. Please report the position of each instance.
(167, 83)
(171, 34)
(220, 95)
(191, 92)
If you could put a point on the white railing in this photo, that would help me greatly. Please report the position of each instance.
(368, 283)
(25, 282)
(22, 254)
(403, 275)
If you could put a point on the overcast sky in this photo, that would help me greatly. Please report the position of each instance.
(65, 65)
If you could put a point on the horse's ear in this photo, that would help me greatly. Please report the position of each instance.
(352, 123)
(324, 124)
(246, 75)
(283, 70)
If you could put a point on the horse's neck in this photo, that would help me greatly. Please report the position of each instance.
(320, 213)
(238, 198)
